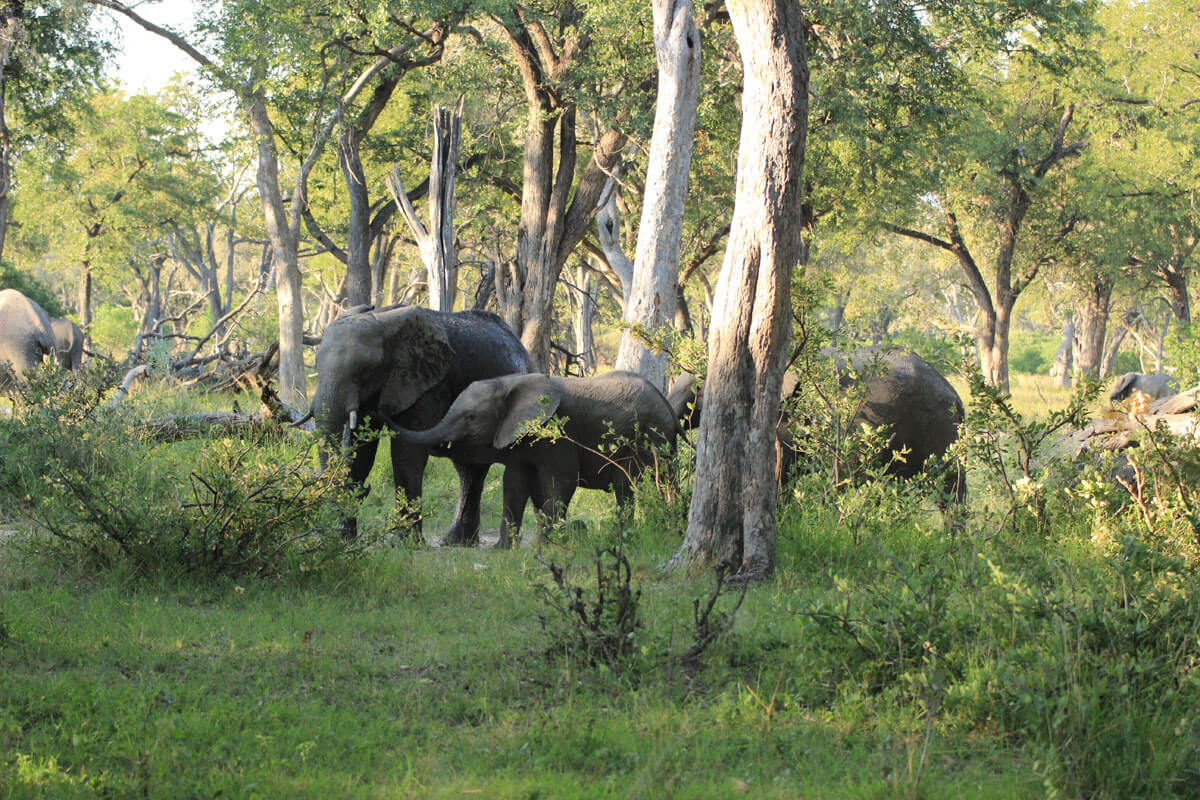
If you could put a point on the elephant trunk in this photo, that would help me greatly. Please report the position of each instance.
(432, 437)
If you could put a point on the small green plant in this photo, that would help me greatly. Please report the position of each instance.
(1018, 453)
(213, 505)
(595, 631)
(1159, 504)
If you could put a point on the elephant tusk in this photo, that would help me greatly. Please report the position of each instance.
(351, 424)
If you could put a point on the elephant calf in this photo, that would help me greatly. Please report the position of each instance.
(613, 427)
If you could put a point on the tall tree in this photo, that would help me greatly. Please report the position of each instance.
(980, 196)
(132, 170)
(731, 520)
(555, 210)
(651, 303)
(276, 62)
(50, 61)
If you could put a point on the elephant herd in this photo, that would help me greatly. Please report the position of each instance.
(461, 386)
(28, 335)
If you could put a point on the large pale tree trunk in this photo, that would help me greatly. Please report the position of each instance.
(1064, 356)
(292, 387)
(731, 520)
(651, 303)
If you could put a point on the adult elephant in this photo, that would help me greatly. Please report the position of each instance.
(68, 342)
(914, 403)
(407, 364)
(1156, 386)
(26, 337)
(614, 427)
(901, 392)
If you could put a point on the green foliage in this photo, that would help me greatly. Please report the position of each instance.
(1021, 456)
(1146, 494)
(595, 631)
(105, 494)
(31, 287)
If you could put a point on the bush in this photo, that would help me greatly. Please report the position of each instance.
(106, 496)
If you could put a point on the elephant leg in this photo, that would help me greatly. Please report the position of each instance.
(465, 528)
(408, 474)
(362, 458)
(517, 484)
(551, 496)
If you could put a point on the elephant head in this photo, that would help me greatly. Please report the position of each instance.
(490, 413)
(376, 361)
(1157, 386)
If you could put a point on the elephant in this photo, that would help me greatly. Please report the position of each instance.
(921, 410)
(26, 337)
(407, 364)
(1156, 385)
(68, 339)
(903, 392)
(614, 427)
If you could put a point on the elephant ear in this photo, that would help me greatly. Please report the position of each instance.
(419, 354)
(1123, 386)
(528, 402)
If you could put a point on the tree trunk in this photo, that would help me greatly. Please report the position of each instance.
(1060, 370)
(552, 221)
(608, 234)
(292, 384)
(1093, 322)
(436, 243)
(84, 300)
(731, 520)
(1118, 338)
(656, 263)
(357, 287)
(1174, 275)
(583, 296)
(12, 32)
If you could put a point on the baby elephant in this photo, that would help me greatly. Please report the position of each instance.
(613, 428)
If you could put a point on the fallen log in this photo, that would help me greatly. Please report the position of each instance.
(1117, 431)
(272, 411)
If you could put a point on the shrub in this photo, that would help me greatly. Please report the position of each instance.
(106, 496)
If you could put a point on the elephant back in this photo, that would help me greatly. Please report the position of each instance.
(484, 347)
(904, 393)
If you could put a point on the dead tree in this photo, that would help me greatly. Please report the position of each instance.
(436, 243)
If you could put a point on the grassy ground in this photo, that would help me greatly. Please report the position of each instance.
(426, 674)
(889, 657)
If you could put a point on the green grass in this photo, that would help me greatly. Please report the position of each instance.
(425, 674)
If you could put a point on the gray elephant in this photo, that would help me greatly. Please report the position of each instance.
(1156, 385)
(26, 337)
(68, 342)
(902, 392)
(614, 427)
(915, 403)
(407, 364)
